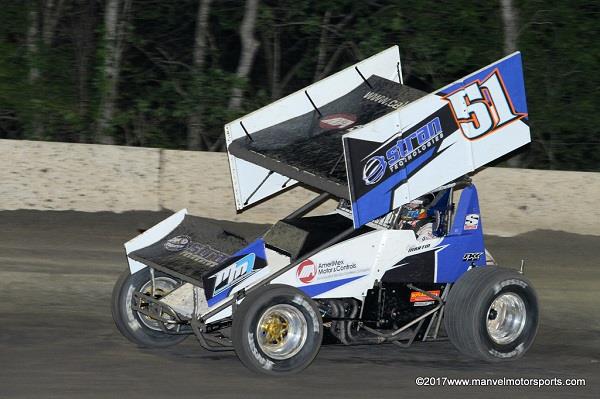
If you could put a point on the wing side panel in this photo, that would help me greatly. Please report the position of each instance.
(436, 139)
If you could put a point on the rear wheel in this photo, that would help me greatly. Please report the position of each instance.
(135, 326)
(277, 330)
(492, 314)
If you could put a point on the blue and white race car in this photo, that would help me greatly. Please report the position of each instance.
(402, 256)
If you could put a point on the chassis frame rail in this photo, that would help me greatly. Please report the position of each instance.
(156, 313)
(194, 326)
(396, 336)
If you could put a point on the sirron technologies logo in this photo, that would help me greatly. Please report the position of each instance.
(374, 170)
(408, 145)
(307, 271)
(178, 243)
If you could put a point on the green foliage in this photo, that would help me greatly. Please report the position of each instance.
(562, 54)
(160, 89)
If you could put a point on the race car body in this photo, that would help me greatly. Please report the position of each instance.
(404, 246)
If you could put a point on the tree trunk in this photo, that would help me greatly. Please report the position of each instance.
(52, 14)
(272, 50)
(83, 34)
(323, 47)
(32, 42)
(195, 137)
(510, 26)
(511, 32)
(40, 24)
(249, 47)
(34, 71)
(266, 37)
(115, 22)
(275, 79)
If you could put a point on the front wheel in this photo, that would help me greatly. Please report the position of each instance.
(135, 326)
(492, 314)
(277, 330)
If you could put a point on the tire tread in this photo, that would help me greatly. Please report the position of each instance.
(462, 303)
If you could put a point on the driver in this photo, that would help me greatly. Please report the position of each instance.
(414, 216)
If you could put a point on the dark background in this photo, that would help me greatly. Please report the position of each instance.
(154, 74)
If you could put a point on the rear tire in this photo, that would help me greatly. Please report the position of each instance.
(138, 328)
(277, 330)
(492, 314)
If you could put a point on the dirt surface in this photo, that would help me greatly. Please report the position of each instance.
(57, 338)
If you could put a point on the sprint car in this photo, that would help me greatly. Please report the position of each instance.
(352, 273)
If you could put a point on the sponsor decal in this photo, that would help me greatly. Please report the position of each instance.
(394, 161)
(472, 256)
(197, 252)
(266, 363)
(178, 243)
(384, 100)
(416, 296)
(233, 274)
(471, 222)
(204, 254)
(374, 170)
(335, 268)
(306, 271)
(413, 144)
(483, 106)
(418, 247)
(309, 271)
(402, 150)
(337, 121)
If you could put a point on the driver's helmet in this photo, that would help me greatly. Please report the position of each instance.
(414, 210)
(414, 214)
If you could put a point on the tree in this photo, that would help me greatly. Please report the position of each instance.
(116, 16)
(32, 42)
(46, 26)
(193, 65)
(246, 60)
(84, 23)
(52, 13)
(196, 140)
(249, 47)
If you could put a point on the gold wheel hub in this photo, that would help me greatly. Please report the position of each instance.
(281, 331)
(275, 329)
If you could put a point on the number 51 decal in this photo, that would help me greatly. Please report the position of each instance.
(481, 107)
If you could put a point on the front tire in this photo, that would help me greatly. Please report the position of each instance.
(138, 328)
(492, 314)
(277, 330)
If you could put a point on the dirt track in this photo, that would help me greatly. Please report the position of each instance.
(57, 338)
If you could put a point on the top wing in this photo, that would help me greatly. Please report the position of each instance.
(298, 138)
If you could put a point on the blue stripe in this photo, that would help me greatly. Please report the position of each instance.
(316, 289)
(219, 297)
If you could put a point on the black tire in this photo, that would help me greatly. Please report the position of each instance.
(129, 322)
(469, 307)
(273, 300)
